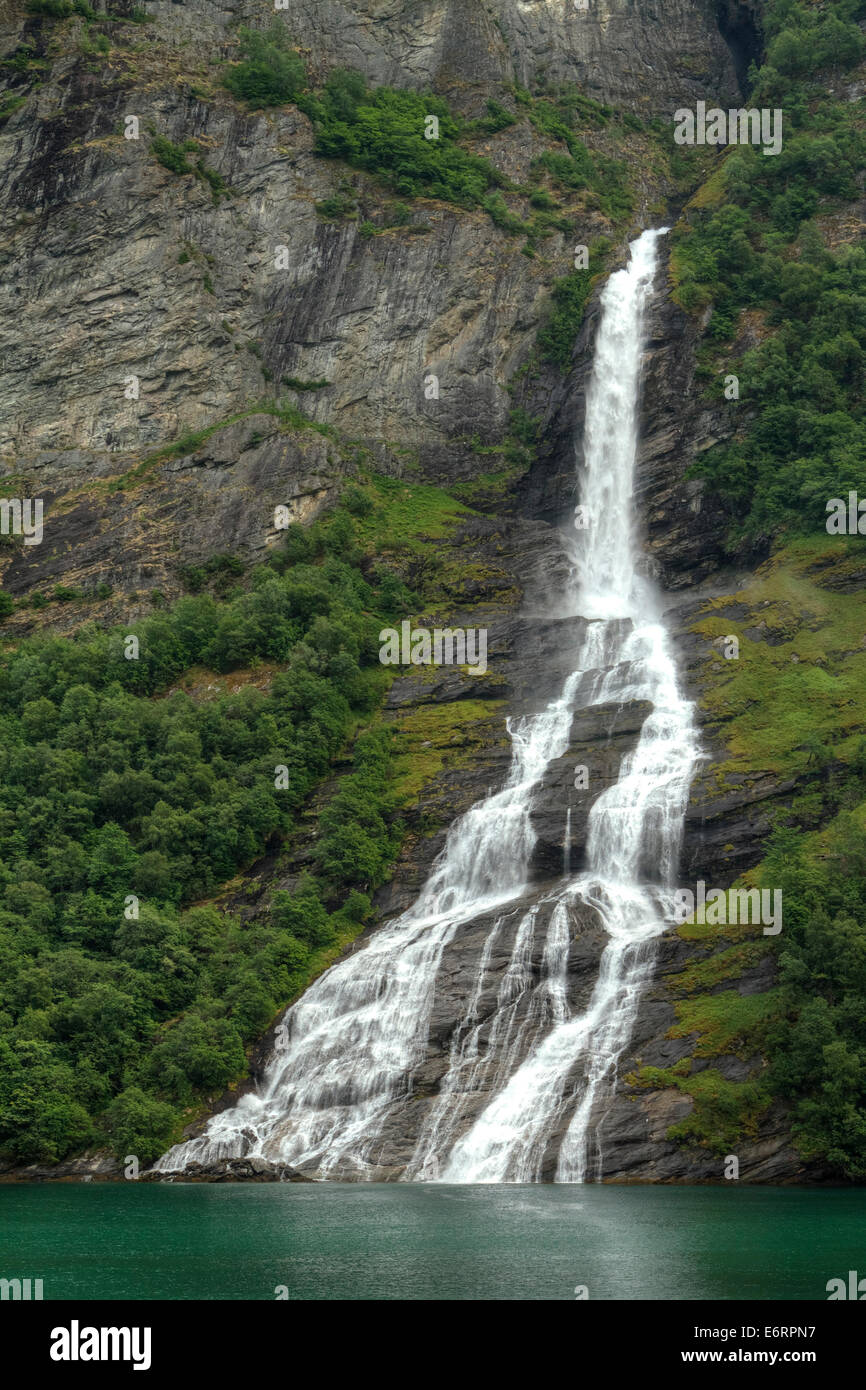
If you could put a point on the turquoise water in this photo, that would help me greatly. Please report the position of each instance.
(395, 1241)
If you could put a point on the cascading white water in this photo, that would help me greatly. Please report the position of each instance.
(358, 1033)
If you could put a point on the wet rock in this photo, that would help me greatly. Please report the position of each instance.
(461, 1006)
(250, 1169)
(601, 736)
(88, 1167)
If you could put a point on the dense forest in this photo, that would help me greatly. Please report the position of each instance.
(749, 244)
(124, 802)
(750, 248)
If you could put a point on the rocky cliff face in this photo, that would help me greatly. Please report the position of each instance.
(641, 55)
(120, 267)
(119, 271)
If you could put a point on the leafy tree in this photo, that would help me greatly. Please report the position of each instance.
(136, 1124)
(41, 1118)
(269, 73)
(302, 913)
(196, 1054)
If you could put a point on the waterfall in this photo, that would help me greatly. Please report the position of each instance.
(362, 1028)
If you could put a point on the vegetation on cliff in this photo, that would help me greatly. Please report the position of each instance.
(415, 145)
(761, 243)
(766, 251)
(117, 784)
(125, 804)
(793, 705)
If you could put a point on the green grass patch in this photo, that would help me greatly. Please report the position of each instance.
(405, 515)
(438, 737)
(723, 965)
(11, 102)
(728, 1022)
(784, 699)
(725, 1112)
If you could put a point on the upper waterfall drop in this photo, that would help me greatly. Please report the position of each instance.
(609, 585)
(527, 1078)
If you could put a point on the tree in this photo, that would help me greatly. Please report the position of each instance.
(41, 1118)
(136, 1124)
(111, 860)
(269, 74)
(302, 913)
(250, 1005)
(196, 1054)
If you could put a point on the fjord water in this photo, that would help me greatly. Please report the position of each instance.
(400, 1241)
(360, 1031)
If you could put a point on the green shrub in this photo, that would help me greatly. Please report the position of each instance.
(171, 156)
(174, 157)
(335, 206)
(62, 9)
(137, 1125)
(500, 214)
(215, 181)
(269, 73)
(524, 427)
(357, 502)
(569, 295)
(94, 47)
(297, 384)
(383, 131)
(302, 914)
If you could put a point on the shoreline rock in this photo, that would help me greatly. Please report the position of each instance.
(229, 1170)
